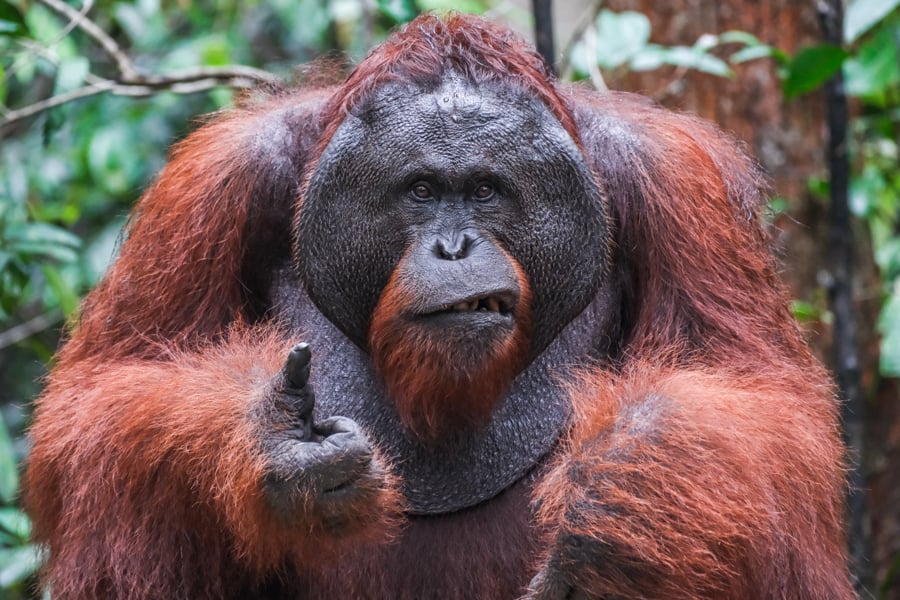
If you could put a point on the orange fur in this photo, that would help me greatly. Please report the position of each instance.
(436, 390)
(709, 464)
(145, 478)
(173, 443)
(702, 484)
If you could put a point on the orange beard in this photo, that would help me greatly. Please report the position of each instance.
(439, 384)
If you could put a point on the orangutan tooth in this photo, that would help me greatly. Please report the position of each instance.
(493, 305)
(473, 305)
(462, 306)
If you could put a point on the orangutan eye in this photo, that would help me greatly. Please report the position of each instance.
(483, 192)
(421, 191)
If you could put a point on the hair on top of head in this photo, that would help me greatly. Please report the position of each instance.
(427, 48)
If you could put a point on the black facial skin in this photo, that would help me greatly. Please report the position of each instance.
(362, 211)
(461, 288)
(454, 181)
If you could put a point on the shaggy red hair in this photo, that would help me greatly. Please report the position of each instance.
(435, 392)
(426, 49)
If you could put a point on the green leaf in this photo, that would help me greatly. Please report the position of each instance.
(862, 15)
(865, 188)
(71, 74)
(811, 67)
(818, 187)
(43, 239)
(400, 11)
(873, 69)
(15, 524)
(131, 20)
(889, 326)
(753, 48)
(751, 53)
(691, 58)
(739, 37)
(62, 290)
(653, 57)
(222, 97)
(475, 7)
(45, 26)
(9, 28)
(12, 22)
(16, 564)
(110, 164)
(887, 257)
(805, 311)
(706, 42)
(650, 58)
(619, 37)
(777, 205)
(216, 52)
(9, 474)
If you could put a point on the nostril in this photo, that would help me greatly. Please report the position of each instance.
(465, 245)
(441, 251)
(453, 248)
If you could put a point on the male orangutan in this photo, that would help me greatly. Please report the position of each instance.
(450, 329)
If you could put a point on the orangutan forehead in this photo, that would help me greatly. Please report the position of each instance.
(455, 103)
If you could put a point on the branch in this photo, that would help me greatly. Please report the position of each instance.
(85, 9)
(590, 47)
(29, 328)
(585, 21)
(188, 81)
(233, 73)
(131, 81)
(126, 67)
(10, 117)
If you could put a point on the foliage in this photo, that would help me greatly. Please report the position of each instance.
(620, 41)
(872, 78)
(18, 557)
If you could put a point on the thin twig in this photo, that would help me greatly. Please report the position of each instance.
(126, 67)
(54, 101)
(131, 81)
(590, 48)
(231, 72)
(584, 22)
(44, 50)
(74, 22)
(29, 328)
(182, 82)
(191, 86)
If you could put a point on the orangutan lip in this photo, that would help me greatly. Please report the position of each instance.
(341, 487)
(501, 304)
